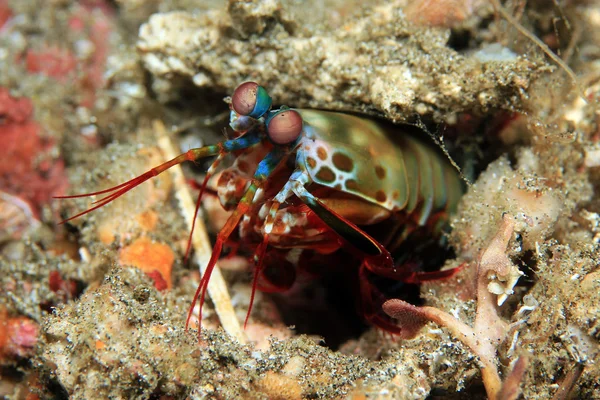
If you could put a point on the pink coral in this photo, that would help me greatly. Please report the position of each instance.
(5, 13)
(53, 62)
(18, 336)
(92, 21)
(27, 169)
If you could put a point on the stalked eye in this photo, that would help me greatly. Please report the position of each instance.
(251, 100)
(284, 126)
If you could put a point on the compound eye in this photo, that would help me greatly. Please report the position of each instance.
(284, 126)
(250, 99)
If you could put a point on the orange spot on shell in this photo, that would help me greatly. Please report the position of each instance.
(152, 258)
(322, 153)
(380, 196)
(325, 174)
(351, 184)
(343, 162)
(380, 171)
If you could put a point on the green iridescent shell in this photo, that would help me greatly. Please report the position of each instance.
(379, 162)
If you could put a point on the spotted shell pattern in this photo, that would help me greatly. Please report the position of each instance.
(378, 163)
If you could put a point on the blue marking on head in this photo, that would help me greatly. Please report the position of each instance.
(263, 103)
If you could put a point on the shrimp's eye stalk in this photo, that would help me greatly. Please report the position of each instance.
(250, 99)
(284, 126)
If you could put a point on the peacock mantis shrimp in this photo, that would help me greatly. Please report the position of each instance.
(306, 185)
